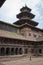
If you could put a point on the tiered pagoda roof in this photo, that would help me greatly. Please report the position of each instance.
(20, 26)
(25, 16)
(1, 2)
(25, 13)
(25, 9)
(26, 20)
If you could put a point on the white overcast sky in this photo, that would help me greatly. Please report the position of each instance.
(11, 8)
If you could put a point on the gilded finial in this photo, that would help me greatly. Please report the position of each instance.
(25, 5)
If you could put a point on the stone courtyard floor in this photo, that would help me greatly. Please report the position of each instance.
(23, 61)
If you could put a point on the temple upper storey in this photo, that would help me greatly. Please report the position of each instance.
(25, 12)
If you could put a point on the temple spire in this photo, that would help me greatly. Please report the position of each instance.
(25, 5)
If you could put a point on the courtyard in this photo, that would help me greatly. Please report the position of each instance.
(23, 61)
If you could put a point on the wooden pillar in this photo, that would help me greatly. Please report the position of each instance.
(0, 51)
(23, 50)
(36, 51)
(5, 51)
(10, 51)
(29, 52)
(42, 51)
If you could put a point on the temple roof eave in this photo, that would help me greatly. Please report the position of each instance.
(35, 28)
(22, 21)
(30, 15)
(13, 25)
(23, 8)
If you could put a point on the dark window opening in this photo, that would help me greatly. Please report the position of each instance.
(40, 51)
(20, 51)
(12, 51)
(7, 51)
(2, 51)
(16, 51)
(32, 50)
(29, 34)
(34, 35)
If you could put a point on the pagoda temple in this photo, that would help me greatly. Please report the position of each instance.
(21, 37)
(26, 17)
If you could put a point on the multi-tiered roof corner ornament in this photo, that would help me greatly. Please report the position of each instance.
(2, 2)
(25, 16)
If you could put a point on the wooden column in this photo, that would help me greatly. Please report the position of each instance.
(42, 51)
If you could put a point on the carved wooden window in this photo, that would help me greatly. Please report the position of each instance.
(29, 34)
(35, 35)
